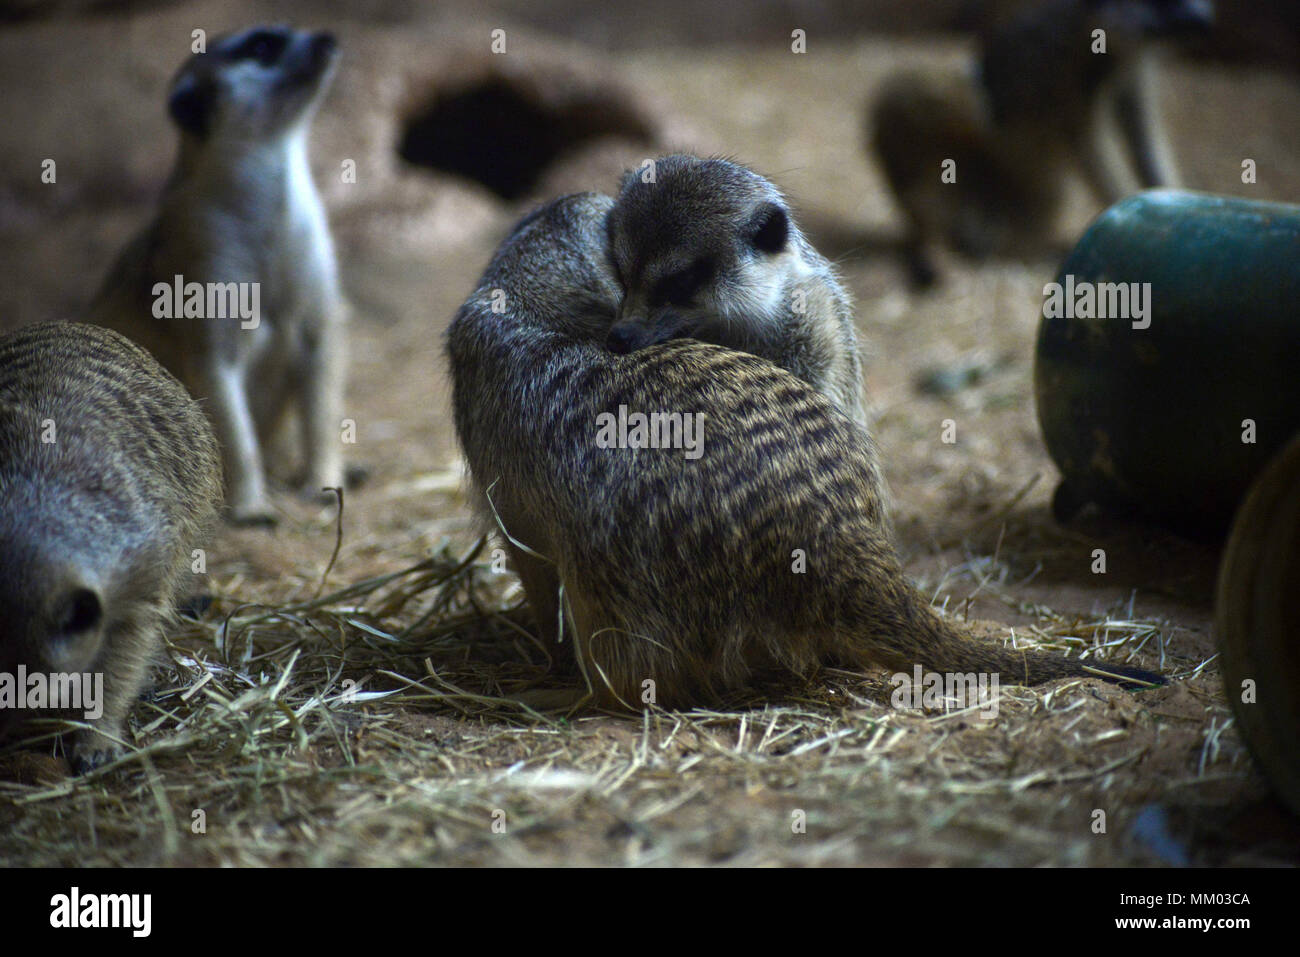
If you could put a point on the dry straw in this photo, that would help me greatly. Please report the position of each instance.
(380, 723)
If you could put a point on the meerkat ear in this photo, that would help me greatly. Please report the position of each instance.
(770, 228)
(190, 105)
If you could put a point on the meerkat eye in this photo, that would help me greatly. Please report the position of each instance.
(680, 287)
(263, 46)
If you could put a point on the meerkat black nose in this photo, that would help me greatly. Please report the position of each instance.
(80, 612)
(75, 629)
(323, 42)
(623, 338)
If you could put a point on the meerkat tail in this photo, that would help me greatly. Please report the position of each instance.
(917, 634)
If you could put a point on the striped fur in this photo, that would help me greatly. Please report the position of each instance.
(678, 571)
(109, 511)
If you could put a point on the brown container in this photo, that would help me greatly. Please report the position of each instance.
(1257, 621)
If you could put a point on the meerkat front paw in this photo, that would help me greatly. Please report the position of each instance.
(83, 762)
(195, 606)
(91, 750)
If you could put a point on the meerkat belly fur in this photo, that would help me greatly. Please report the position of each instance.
(110, 477)
(659, 566)
(241, 208)
(708, 249)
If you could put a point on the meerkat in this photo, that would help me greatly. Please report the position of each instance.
(1045, 97)
(708, 249)
(685, 570)
(110, 477)
(992, 198)
(241, 215)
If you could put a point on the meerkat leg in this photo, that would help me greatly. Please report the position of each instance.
(270, 404)
(321, 408)
(124, 678)
(630, 665)
(542, 586)
(923, 223)
(922, 273)
(1137, 113)
(101, 744)
(590, 638)
(1102, 160)
(240, 452)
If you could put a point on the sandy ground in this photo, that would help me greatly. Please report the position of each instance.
(972, 517)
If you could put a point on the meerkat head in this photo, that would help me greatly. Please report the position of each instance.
(57, 624)
(697, 244)
(255, 84)
(53, 614)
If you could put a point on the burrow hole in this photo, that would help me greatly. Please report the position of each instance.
(499, 133)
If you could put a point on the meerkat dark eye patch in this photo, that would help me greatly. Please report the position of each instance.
(264, 46)
(680, 287)
(769, 229)
(190, 105)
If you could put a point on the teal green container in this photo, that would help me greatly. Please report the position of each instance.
(1172, 418)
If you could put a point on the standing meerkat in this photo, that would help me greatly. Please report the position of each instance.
(110, 477)
(708, 249)
(759, 541)
(1046, 97)
(263, 329)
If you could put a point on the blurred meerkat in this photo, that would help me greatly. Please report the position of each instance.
(110, 477)
(241, 214)
(1002, 200)
(761, 545)
(709, 250)
(1042, 100)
